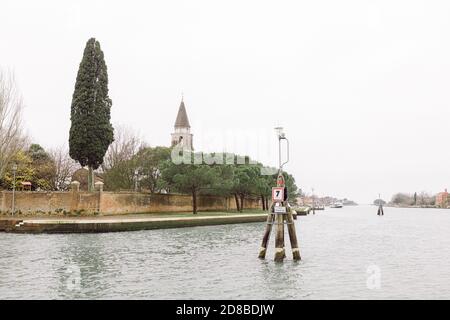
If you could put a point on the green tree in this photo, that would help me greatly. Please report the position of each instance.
(245, 183)
(145, 166)
(228, 179)
(293, 191)
(43, 167)
(225, 185)
(91, 131)
(37, 153)
(34, 165)
(190, 178)
(264, 185)
(25, 171)
(149, 162)
(121, 176)
(45, 170)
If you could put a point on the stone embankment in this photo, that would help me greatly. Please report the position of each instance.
(122, 223)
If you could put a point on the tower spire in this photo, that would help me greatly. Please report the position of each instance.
(182, 120)
(182, 133)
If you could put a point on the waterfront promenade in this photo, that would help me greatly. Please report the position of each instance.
(130, 222)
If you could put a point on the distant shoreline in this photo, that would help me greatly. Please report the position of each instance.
(411, 207)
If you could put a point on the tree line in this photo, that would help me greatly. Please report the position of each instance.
(132, 165)
(416, 199)
(46, 170)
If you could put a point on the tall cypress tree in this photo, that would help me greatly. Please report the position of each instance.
(91, 131)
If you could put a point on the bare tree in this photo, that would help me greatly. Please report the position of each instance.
(64, 167)
(125, 145)
(425, 199)
(12, 138)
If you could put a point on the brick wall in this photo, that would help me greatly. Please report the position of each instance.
(110, 203)
(37, 202)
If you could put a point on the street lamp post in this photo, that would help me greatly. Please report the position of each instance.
(282, 136)
(380, 206)
(136, 180)
(14, 170)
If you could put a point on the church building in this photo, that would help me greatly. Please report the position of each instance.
(182, 130)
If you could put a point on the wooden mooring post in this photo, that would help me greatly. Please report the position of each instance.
(380, 207)
(263, 249)
(380, 210)
(280, 214)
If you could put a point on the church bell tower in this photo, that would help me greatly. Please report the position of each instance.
(182, 130)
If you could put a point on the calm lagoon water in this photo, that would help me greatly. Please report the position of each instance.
(348, 253)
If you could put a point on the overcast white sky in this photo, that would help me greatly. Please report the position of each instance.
(361, 87)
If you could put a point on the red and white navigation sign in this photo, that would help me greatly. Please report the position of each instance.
(278, 194)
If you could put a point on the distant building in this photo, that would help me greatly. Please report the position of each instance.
(182, 135)
(442, 199)
(305, 201)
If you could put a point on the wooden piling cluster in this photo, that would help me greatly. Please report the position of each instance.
(380, 210)
(279, 220)
(380, 206)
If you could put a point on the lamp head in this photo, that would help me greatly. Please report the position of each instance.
(280, 132)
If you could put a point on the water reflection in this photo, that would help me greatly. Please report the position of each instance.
(282, 280)
(84, 263)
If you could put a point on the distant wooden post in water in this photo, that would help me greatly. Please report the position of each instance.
(380, 206)
(280, 214)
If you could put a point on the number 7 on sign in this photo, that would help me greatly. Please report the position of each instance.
(277, 194)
